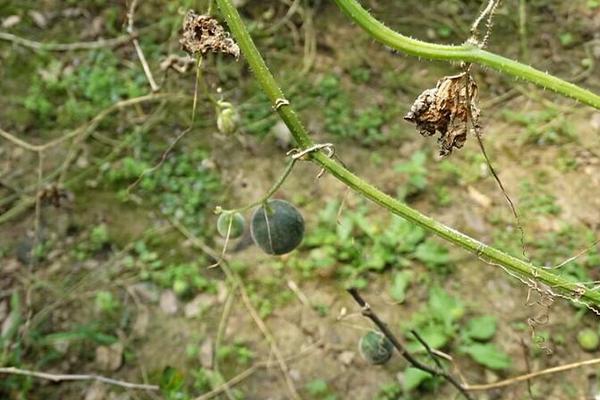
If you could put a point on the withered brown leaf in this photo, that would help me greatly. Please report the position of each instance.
(203, 33)
(445, 109)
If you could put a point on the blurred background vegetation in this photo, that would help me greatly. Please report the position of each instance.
(104, 278)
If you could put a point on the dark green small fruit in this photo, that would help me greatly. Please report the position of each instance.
(277, 227)
(588, 339)
(375, 348)
(237, 225)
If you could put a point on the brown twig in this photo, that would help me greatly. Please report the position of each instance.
(98, 44)
(85, 127)
(526, 377)
(369, 313)
(221, 332)
(432, 355)
(77, 377)
(138, 48)
(165, 154)
(233, 277)
(29, 200)
(246, 373)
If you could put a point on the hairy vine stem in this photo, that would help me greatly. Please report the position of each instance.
(467, 52)
(517, 267)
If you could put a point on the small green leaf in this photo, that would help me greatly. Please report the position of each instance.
(401, 282)
(433, 334)
(318, 386)
(566, 39)
(414, 377)
(406, 235)
(481, 328)
(444, 307)
(487, 355)
(432, 254)
(171, 380)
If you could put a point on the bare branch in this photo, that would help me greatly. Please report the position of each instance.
(77, 377)
(526, 377)
(98, 44)
(138, 48)
(369, 313)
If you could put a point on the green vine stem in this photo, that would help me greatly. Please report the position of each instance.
(467, 52)
(524, 271)
(267, 196)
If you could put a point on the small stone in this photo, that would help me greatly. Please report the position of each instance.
(295, 375)
(142, 319)
(207, 354)
(147, 291)
(110, 358)
(201, 302)
(168, 302)
(480, 198)
(38, 18)
(96, 391)
(10, 21)
(595, 121)
(346, 357)
(282, 134)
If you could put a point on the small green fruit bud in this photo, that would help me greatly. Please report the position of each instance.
(180, 287)
(375, 348)
(227, 117)
(237, 222)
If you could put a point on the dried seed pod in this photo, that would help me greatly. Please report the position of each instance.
(277, 227)
(445, 109)
(203, 33)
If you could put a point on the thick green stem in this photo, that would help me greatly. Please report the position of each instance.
(526, 271)
(466, 52)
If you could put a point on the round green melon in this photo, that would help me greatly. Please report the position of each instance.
(277, 227)
(588, 339)
(375, 348)
(237, 225)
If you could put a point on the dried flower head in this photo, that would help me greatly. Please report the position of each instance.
(445, 109)
(203, 33)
